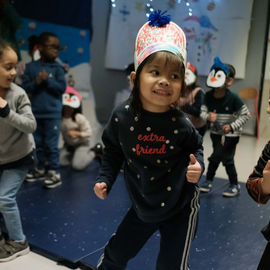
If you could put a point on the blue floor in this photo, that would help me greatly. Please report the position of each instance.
(70, 225)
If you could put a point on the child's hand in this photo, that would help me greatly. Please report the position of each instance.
(74, 133)
(100, 190)
(42, 76)
(194, 170)
(182, 101)
(212, 117)
(266, 178)
(3, 103)
(226, 128)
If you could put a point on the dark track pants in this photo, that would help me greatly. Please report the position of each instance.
(225, 154)
(176, 236)
(265, 259)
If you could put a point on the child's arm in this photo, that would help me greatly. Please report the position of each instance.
(84, 125)
(29, 80)
(206, 115)
(243, 116)
(194, 170)
(57, 85)
(266, 178)
(112, 158)
(23, 118)
(193, 145)
(258, 183)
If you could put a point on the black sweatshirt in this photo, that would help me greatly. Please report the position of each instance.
(155, 149)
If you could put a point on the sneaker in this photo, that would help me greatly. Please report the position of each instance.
(232, 191)
(52, 180)
(12, 249)
(35, 175)
(206, 186)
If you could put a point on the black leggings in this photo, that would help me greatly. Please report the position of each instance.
(265, 259)
(176, 236)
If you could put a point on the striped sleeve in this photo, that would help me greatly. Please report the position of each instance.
(254, 182)
(243, 116)
(204, 112)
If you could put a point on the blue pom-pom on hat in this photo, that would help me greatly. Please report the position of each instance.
(159, 19)
(219, 64)
(159, 33)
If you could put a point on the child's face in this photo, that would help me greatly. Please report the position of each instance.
(67, 111)
(50, 49)
(8, 63)
(160, 83)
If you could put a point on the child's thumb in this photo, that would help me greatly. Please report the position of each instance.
(192, 158)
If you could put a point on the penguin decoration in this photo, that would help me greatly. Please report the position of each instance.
(72, 98)
(218, 74)
(190, 74)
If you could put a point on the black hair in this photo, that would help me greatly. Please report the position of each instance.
(5, 45)
(43, 37)
(232, 71)
(129, 69)
(32, 42)
(134, 99)
(75, 111)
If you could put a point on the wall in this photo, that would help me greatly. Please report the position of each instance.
(107, 82)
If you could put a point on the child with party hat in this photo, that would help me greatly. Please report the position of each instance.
(161, 151)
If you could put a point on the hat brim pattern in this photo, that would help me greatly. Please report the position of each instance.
(151, 39)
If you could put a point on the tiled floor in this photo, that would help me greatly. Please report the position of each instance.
(247, 154)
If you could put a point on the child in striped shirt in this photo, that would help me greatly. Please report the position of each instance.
(227, 114)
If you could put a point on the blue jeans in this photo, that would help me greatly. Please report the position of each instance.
(46, 138)
(10, 183)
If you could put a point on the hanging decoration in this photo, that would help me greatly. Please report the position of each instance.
(208, 25)
(148, 8)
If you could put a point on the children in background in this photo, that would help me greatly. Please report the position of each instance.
(227, 114)
(33, 47)
(124, 94)
(16, 152)
(192, 102)
(44, 82)
(258, 186)
(33, 53)
(76, 132)
(161, 150)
